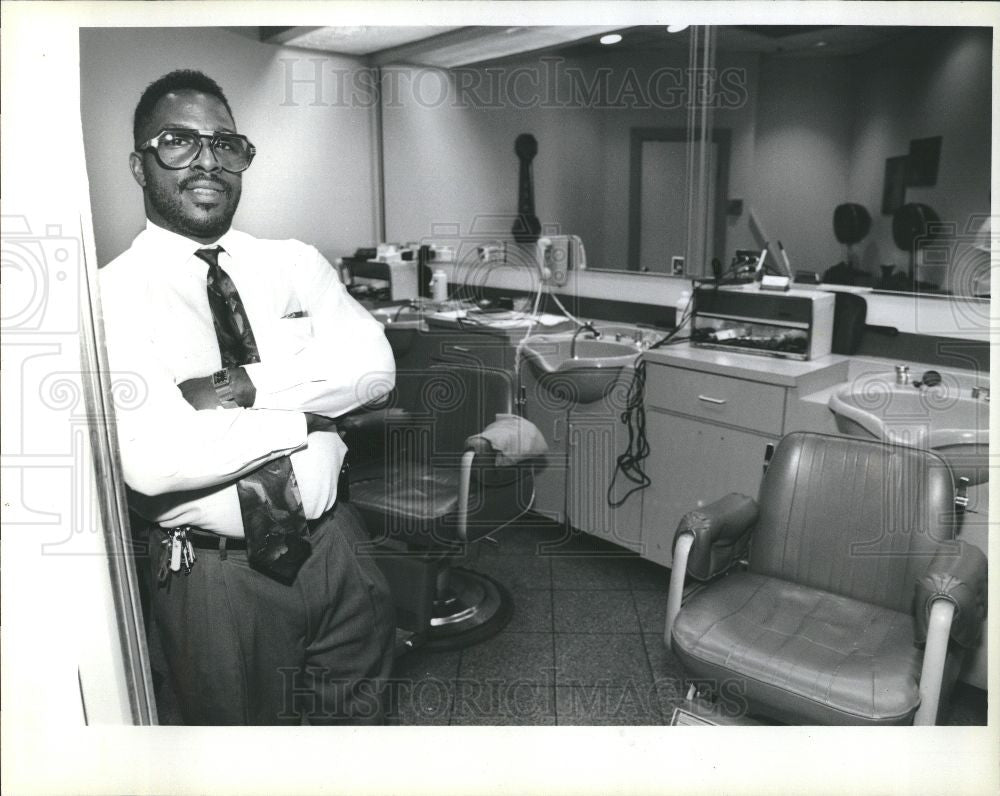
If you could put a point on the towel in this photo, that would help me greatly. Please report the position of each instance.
(513, 438)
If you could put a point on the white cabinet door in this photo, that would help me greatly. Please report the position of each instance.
(692, 463)
(595, 442)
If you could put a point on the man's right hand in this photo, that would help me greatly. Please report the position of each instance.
(316, 422)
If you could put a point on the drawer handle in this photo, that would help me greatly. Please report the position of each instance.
(709, 400)
(460, 348)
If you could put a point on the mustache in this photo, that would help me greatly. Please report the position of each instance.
(214, 182)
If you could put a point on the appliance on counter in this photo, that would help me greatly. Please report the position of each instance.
(795, 324)
(392, 272)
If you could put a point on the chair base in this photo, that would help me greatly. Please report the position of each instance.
(473, 608)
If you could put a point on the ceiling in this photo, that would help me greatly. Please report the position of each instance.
(444, 47)
(448, 47)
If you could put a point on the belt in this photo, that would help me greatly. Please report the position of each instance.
(206, 540)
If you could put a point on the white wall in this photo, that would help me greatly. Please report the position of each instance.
(313, 177)
(801, 156)
(451, 164)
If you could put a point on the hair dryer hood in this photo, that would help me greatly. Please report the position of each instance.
(910, 222)
(851, 222)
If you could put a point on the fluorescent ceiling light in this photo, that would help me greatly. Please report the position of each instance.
(443, 47)
(611, 38)
(477, 44)
(360, 39)
(676, 28)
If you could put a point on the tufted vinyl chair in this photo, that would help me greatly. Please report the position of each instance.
(857, 603)
(429, 488)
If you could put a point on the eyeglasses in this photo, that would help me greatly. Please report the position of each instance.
(178, 148)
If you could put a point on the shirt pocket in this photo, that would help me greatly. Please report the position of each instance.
(291, 335)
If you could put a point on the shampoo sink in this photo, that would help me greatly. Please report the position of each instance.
(944, 418)
(585, 377)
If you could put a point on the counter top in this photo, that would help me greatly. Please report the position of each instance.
(806, 376)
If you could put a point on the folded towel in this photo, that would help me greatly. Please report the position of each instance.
(513, 438)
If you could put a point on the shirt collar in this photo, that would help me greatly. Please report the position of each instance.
(169, 245)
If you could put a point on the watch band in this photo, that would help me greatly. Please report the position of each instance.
(224, 388)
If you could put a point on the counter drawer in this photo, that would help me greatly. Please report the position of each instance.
(480, 350)
(720, 399)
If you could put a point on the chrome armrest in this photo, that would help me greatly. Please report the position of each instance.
(949, 605)
(708, 541)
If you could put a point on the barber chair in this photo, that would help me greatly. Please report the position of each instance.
(431, 490)
(854, 602)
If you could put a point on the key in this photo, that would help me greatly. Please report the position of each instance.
(175, 552)
(188, 555)
(164, 571)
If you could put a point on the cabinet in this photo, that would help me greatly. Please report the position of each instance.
(709, 419)
(596, 438)
(693, 462)
(482, 348)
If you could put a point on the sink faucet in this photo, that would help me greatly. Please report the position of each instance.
(586, 327)
(981, 392)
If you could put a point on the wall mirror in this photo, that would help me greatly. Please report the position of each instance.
(810, 116)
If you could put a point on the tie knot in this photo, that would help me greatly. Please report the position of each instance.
(210, 254)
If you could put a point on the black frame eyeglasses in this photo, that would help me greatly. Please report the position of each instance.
(178, 147)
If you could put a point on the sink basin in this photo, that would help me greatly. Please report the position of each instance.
(945, 418)
(401, 326)
(589, 375)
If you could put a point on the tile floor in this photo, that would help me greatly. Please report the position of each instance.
(584, 645)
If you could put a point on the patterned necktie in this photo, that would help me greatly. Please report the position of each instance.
(273, 519)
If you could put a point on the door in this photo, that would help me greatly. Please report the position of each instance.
(663, 203)
(692, 463)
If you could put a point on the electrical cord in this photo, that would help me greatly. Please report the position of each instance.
(633, 417)
(565, 311)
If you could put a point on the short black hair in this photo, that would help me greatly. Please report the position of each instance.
(178, 80)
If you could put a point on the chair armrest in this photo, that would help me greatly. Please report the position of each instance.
(511, 439)
(958, 576)
(361, 422)
(721, 532)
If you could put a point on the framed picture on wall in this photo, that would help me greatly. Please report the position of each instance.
(894, 189)
(922, 164)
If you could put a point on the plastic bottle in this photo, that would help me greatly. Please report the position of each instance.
(680, 308)
(439, 286)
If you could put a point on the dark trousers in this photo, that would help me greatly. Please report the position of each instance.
(242, 648)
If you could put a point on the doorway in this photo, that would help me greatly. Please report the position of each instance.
(660, 212)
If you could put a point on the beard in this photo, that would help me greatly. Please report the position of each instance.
(200, 221)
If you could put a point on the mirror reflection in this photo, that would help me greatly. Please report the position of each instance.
(856, 155)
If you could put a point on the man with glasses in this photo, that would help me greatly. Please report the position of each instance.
(242, 351)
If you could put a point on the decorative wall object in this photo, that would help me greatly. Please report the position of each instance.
(922, 165)
(894, 189)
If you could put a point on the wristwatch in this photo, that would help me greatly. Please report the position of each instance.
(224, 388)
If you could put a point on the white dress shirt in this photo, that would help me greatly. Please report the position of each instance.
(181, 463)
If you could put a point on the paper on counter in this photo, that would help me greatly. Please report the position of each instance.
(500, 320)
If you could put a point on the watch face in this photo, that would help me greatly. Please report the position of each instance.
(220, 378)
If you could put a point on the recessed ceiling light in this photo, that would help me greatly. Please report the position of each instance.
(820, 44)
(611, 38)
(676, 28)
